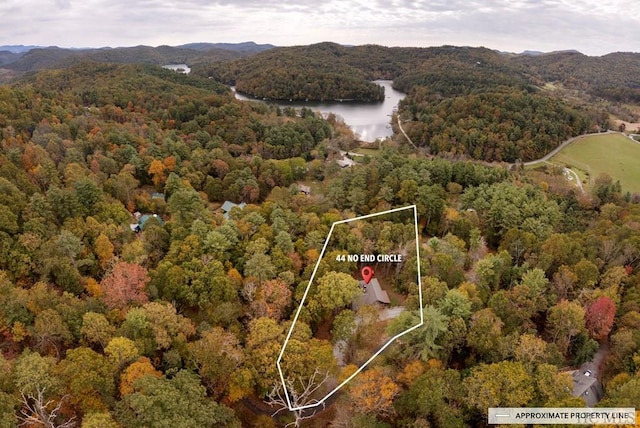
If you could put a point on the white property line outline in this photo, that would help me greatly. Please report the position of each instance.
(306, 291)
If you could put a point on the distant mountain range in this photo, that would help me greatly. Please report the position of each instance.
(236, 47)
(290, 70)
(298, 71)
(19, 58)
(18, 48)
(537, 53)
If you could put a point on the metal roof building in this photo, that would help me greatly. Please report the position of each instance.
(373, 293)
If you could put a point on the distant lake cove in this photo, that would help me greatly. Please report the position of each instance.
(368, 121)
(180, 68)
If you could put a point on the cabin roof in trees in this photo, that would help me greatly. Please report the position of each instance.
(157, 195)
(146, 217)
(228, 206)
(304, 189)
(138, 227)
(373, 293)
(586, 387)
(345, 162)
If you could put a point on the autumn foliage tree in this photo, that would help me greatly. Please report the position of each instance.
(373, 392)
(217, 354)
(88, 377)
(136, 370)
(157, 170)
(505, 384)
(104, 249)
(125, 284)
(564, 322)
(277, 296)
(599, 317)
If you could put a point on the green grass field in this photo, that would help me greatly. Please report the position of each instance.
(370, 152)
(613, 154)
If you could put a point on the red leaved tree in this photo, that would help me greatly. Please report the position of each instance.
(277, 296)
(124, 284)
(599, 317)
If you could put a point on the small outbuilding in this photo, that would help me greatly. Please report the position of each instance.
(228, 206)
(304, 189)
(345, 162)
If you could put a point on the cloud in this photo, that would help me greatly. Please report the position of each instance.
(593, 26)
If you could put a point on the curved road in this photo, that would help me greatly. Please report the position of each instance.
(555, 151)
(545, 158)
(404, 133)
(564, 144)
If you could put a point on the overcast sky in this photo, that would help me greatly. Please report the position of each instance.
(594, 27)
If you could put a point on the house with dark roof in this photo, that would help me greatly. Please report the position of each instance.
(228, 206)
(587, 387)
(373, 294)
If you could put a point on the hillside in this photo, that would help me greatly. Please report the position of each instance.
(300, 73)
(320, 71)
(246, 47)
(546, 98)
(326, 70)
(40, 58)
(451, 71)
(7, 57)
(27, 59)
(494, 126)
(170, 100)
(615, 76)
(95, 84)
(19, 49)
(53, 57)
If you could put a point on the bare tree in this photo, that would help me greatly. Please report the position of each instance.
(630, 254)
(249, 290)
(610, 250)
(301, 398)
(35, 411)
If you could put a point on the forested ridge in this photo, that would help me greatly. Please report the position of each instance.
(53, 57)
(180, 324)
(303, 73)
(565, 93)
(613, 76)
(494, 126)
(452, 80)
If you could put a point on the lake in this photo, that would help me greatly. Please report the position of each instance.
(368, 121)
(180, 68)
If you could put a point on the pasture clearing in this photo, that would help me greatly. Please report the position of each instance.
(613, 154)
(366, 151)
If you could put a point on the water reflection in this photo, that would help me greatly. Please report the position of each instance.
(369, 121)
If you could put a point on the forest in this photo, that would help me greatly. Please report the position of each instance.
(543, 99)
(180, 323)
(493, 126)
(285, 74)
